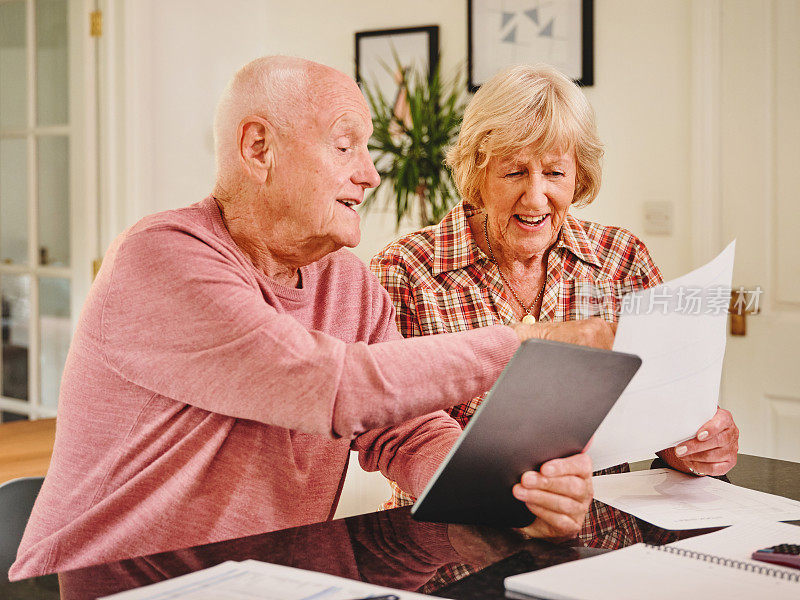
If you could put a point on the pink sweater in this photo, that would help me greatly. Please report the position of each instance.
(202, 401)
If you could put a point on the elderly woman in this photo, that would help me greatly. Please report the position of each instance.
(527, 152)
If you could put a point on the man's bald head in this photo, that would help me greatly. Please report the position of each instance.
(293, 161)
(283, 90)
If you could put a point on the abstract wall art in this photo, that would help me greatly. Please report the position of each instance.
(502, 33)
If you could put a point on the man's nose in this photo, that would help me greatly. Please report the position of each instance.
(367, 175)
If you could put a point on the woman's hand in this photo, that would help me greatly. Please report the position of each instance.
(559, 495)
(711, 452)
(594, 332)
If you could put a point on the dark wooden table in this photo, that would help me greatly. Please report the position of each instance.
(387, 548)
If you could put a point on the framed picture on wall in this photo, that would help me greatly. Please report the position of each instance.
(502, 33)
(416, 48)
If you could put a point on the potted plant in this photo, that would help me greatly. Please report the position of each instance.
(411, 133)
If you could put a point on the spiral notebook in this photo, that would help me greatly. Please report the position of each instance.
(715, 565)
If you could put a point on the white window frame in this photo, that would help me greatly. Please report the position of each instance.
(82, 134)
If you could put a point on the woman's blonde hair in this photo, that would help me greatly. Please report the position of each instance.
(526, 106)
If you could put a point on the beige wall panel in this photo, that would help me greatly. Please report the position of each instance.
(786, 249)
(784, 425)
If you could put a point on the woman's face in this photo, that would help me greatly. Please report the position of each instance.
(527, 198)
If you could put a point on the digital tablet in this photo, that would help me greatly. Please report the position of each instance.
(547, 403)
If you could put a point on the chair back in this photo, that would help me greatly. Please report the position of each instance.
(16, 503)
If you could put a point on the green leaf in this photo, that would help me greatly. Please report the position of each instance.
(411, 156)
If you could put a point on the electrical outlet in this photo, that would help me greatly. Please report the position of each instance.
(658, 217)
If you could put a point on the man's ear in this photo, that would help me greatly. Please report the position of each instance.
(256, 147)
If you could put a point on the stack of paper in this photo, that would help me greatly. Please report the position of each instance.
(674, 500)
(255, 580)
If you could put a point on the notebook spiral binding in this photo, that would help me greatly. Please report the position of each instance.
(729, 562)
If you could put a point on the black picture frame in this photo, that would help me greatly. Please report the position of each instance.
(432, 52)
(586, 52)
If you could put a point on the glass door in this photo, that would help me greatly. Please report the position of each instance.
(38, 137)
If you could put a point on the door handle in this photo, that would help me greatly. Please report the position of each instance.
(744, 301)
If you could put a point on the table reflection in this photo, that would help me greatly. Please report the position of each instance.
(385, 548)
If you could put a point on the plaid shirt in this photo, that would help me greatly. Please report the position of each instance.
(441, 281)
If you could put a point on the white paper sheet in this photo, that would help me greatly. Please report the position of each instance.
(255, 580)
(674, 500)
(677, 388)
(741, 540)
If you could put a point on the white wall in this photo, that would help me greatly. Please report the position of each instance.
(175, 56)
(180, 54)
(642, 100)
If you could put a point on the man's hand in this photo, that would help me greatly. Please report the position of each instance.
(559, 495)
(587, 332)
(711, 452)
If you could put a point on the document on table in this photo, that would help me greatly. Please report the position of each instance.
(678, 330)
(715, 565)
(741, 540)
(255, 580)
(674, 500)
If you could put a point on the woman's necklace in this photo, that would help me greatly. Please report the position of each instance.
(528, 319)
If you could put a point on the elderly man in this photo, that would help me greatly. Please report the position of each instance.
(230, 354)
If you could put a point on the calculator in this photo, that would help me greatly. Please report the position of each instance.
(787, 555)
